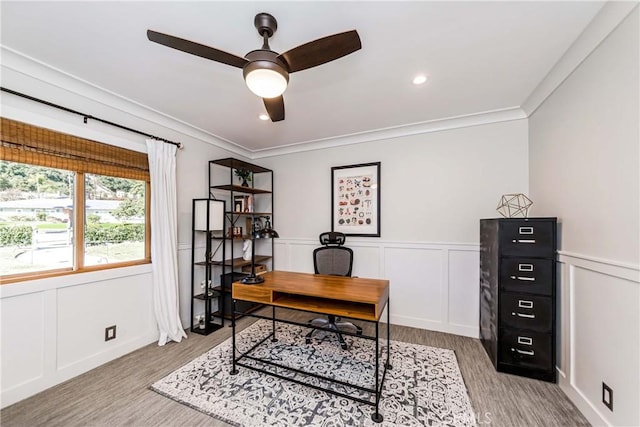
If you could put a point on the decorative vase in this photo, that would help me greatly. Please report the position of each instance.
(244, 183)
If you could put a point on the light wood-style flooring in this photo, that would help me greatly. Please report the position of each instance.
(117, 393)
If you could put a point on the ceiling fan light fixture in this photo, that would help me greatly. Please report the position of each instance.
(265, 78)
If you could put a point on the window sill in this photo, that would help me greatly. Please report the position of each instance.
(60, 279)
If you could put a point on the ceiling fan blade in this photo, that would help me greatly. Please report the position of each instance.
(196, 49)
(321, 51)
(275, 108)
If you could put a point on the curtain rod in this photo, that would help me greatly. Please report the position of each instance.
(88, 116)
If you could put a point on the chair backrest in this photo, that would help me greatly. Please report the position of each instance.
(333, 258)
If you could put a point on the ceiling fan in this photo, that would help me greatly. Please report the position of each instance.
(267, 72)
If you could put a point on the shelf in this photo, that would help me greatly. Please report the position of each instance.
(239, 262)
(239, 164)
(203, 297)
(243, 237)
(249, 213)
(207, 329)
(240, 189)
(221, 257)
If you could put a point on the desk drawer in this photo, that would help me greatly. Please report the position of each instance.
(528, 238)
(530, 275)
(251, 293)
(525, 312)
(526, 349)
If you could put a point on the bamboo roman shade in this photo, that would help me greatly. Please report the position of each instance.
(24, 143)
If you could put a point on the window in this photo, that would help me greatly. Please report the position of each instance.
(31, 242)
(68, 204)
(115, 214)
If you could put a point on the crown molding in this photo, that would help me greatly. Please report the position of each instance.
(35, 69)
(603, 24)
(437, 125)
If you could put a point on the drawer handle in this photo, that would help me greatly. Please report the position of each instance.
(525, 340)
(529, 279)
(526, 352)
(524, 241)
(525, 267)
(525, 303)
(528, 316)
(525, 230)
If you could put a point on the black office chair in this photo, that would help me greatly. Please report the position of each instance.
(337, 260)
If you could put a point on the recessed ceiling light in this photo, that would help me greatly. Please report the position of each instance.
(419, 79)
(263, 117)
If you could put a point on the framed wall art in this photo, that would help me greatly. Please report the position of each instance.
(355, 199)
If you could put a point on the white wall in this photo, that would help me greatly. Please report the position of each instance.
(585, 169)
(53, 329)
(434, 189)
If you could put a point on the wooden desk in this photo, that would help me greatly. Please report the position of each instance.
(352, 297)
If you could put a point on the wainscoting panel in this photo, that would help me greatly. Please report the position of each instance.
(463, 299)
(299, 256)
(416, 286)
(23, 327)
(433, 285)
(600, 326)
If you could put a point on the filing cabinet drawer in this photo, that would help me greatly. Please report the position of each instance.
(525, 312)
(527, 275)
(526, 349)
(528, 238)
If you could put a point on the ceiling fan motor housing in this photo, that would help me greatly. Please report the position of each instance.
(262, 59)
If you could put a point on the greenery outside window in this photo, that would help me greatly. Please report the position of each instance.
(35, 221)
(68, 204)
(115, 218)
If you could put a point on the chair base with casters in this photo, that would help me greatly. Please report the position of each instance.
(334, 324)
(333, 259)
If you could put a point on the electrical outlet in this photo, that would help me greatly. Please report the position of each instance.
(607, 396)
(110, 333)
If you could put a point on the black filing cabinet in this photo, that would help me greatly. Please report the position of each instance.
(518, 295)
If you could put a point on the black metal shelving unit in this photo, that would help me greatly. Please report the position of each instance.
(202, 266)
(222, 186)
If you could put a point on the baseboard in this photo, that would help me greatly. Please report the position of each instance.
(433, 325)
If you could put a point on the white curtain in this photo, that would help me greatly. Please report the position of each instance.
(164, 240)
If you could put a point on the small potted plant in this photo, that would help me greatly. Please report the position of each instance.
(244, 175)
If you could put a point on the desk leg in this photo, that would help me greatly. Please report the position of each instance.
(388, 364)
(234, 371)
(376, 416)
(273, 324)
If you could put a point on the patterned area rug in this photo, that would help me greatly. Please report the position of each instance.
(424, 387)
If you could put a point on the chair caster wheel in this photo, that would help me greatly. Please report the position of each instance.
(307, 340)
(359, 332)
(344, 346)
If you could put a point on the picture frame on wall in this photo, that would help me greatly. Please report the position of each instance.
(355, 199)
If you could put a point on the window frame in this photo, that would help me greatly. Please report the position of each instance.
(79, 217)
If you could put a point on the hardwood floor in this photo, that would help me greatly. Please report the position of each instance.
(117, 393)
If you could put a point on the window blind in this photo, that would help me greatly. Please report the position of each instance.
(25, 143)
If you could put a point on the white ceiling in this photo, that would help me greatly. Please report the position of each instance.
(479, 56)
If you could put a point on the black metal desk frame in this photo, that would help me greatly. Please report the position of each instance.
(377, 391)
